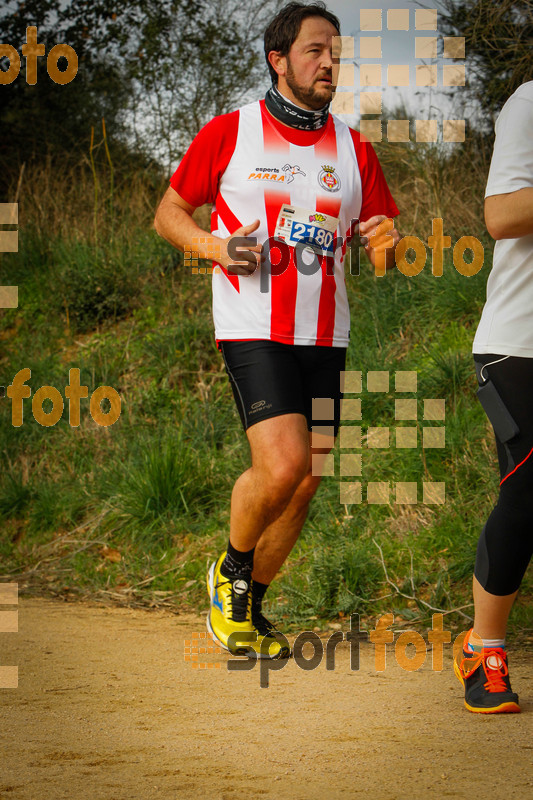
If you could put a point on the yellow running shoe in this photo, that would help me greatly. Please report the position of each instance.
(229, 621)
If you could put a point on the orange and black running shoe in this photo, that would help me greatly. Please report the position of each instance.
(485, 677)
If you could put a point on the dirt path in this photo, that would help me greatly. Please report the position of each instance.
(108, 709)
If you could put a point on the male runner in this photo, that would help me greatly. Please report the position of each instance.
(503, 357)
(280, 167)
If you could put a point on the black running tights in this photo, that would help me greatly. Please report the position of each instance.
(506, 542)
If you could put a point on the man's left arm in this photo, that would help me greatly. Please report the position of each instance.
(378, 209)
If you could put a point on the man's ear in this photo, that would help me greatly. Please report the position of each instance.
(278, 62)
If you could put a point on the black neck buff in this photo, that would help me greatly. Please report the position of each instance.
(293, 115)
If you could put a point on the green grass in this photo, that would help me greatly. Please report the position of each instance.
(134, 512)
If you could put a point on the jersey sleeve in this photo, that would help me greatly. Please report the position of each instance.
(511, 167)
(377, 198)
(198, 175)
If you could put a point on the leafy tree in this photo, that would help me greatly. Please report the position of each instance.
(157, 70)
(194, 62)
(51, 120)
(499, 46)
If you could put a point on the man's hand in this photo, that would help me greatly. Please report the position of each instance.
(249, 257)
(174, 222)
(379, 237)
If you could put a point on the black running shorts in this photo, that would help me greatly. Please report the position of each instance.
(270, 378)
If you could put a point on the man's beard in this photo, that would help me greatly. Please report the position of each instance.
(308, 95)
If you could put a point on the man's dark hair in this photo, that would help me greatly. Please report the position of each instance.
(285, 27)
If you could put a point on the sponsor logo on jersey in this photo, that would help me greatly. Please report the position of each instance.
(292, 171)
(285, 175)
(328, 179)
(266, 174)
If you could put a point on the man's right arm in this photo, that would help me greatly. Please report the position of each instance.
(173, 222)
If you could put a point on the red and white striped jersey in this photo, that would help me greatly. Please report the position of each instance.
(250, 166)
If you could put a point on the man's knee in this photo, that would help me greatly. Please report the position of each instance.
(283, 476)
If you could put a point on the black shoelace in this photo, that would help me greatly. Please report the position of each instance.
(260, 622)
(239, 599)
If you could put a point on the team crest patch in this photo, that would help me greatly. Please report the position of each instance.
(328, 179)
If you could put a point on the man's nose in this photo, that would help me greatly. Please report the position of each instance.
(327, 59)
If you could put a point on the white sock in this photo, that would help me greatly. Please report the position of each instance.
(485, 643)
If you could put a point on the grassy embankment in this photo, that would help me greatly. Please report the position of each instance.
(133, 513)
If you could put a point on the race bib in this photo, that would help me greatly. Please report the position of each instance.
(303, 226)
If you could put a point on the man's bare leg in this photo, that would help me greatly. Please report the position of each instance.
(278, 539)
(270, 500)
(280, 461)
